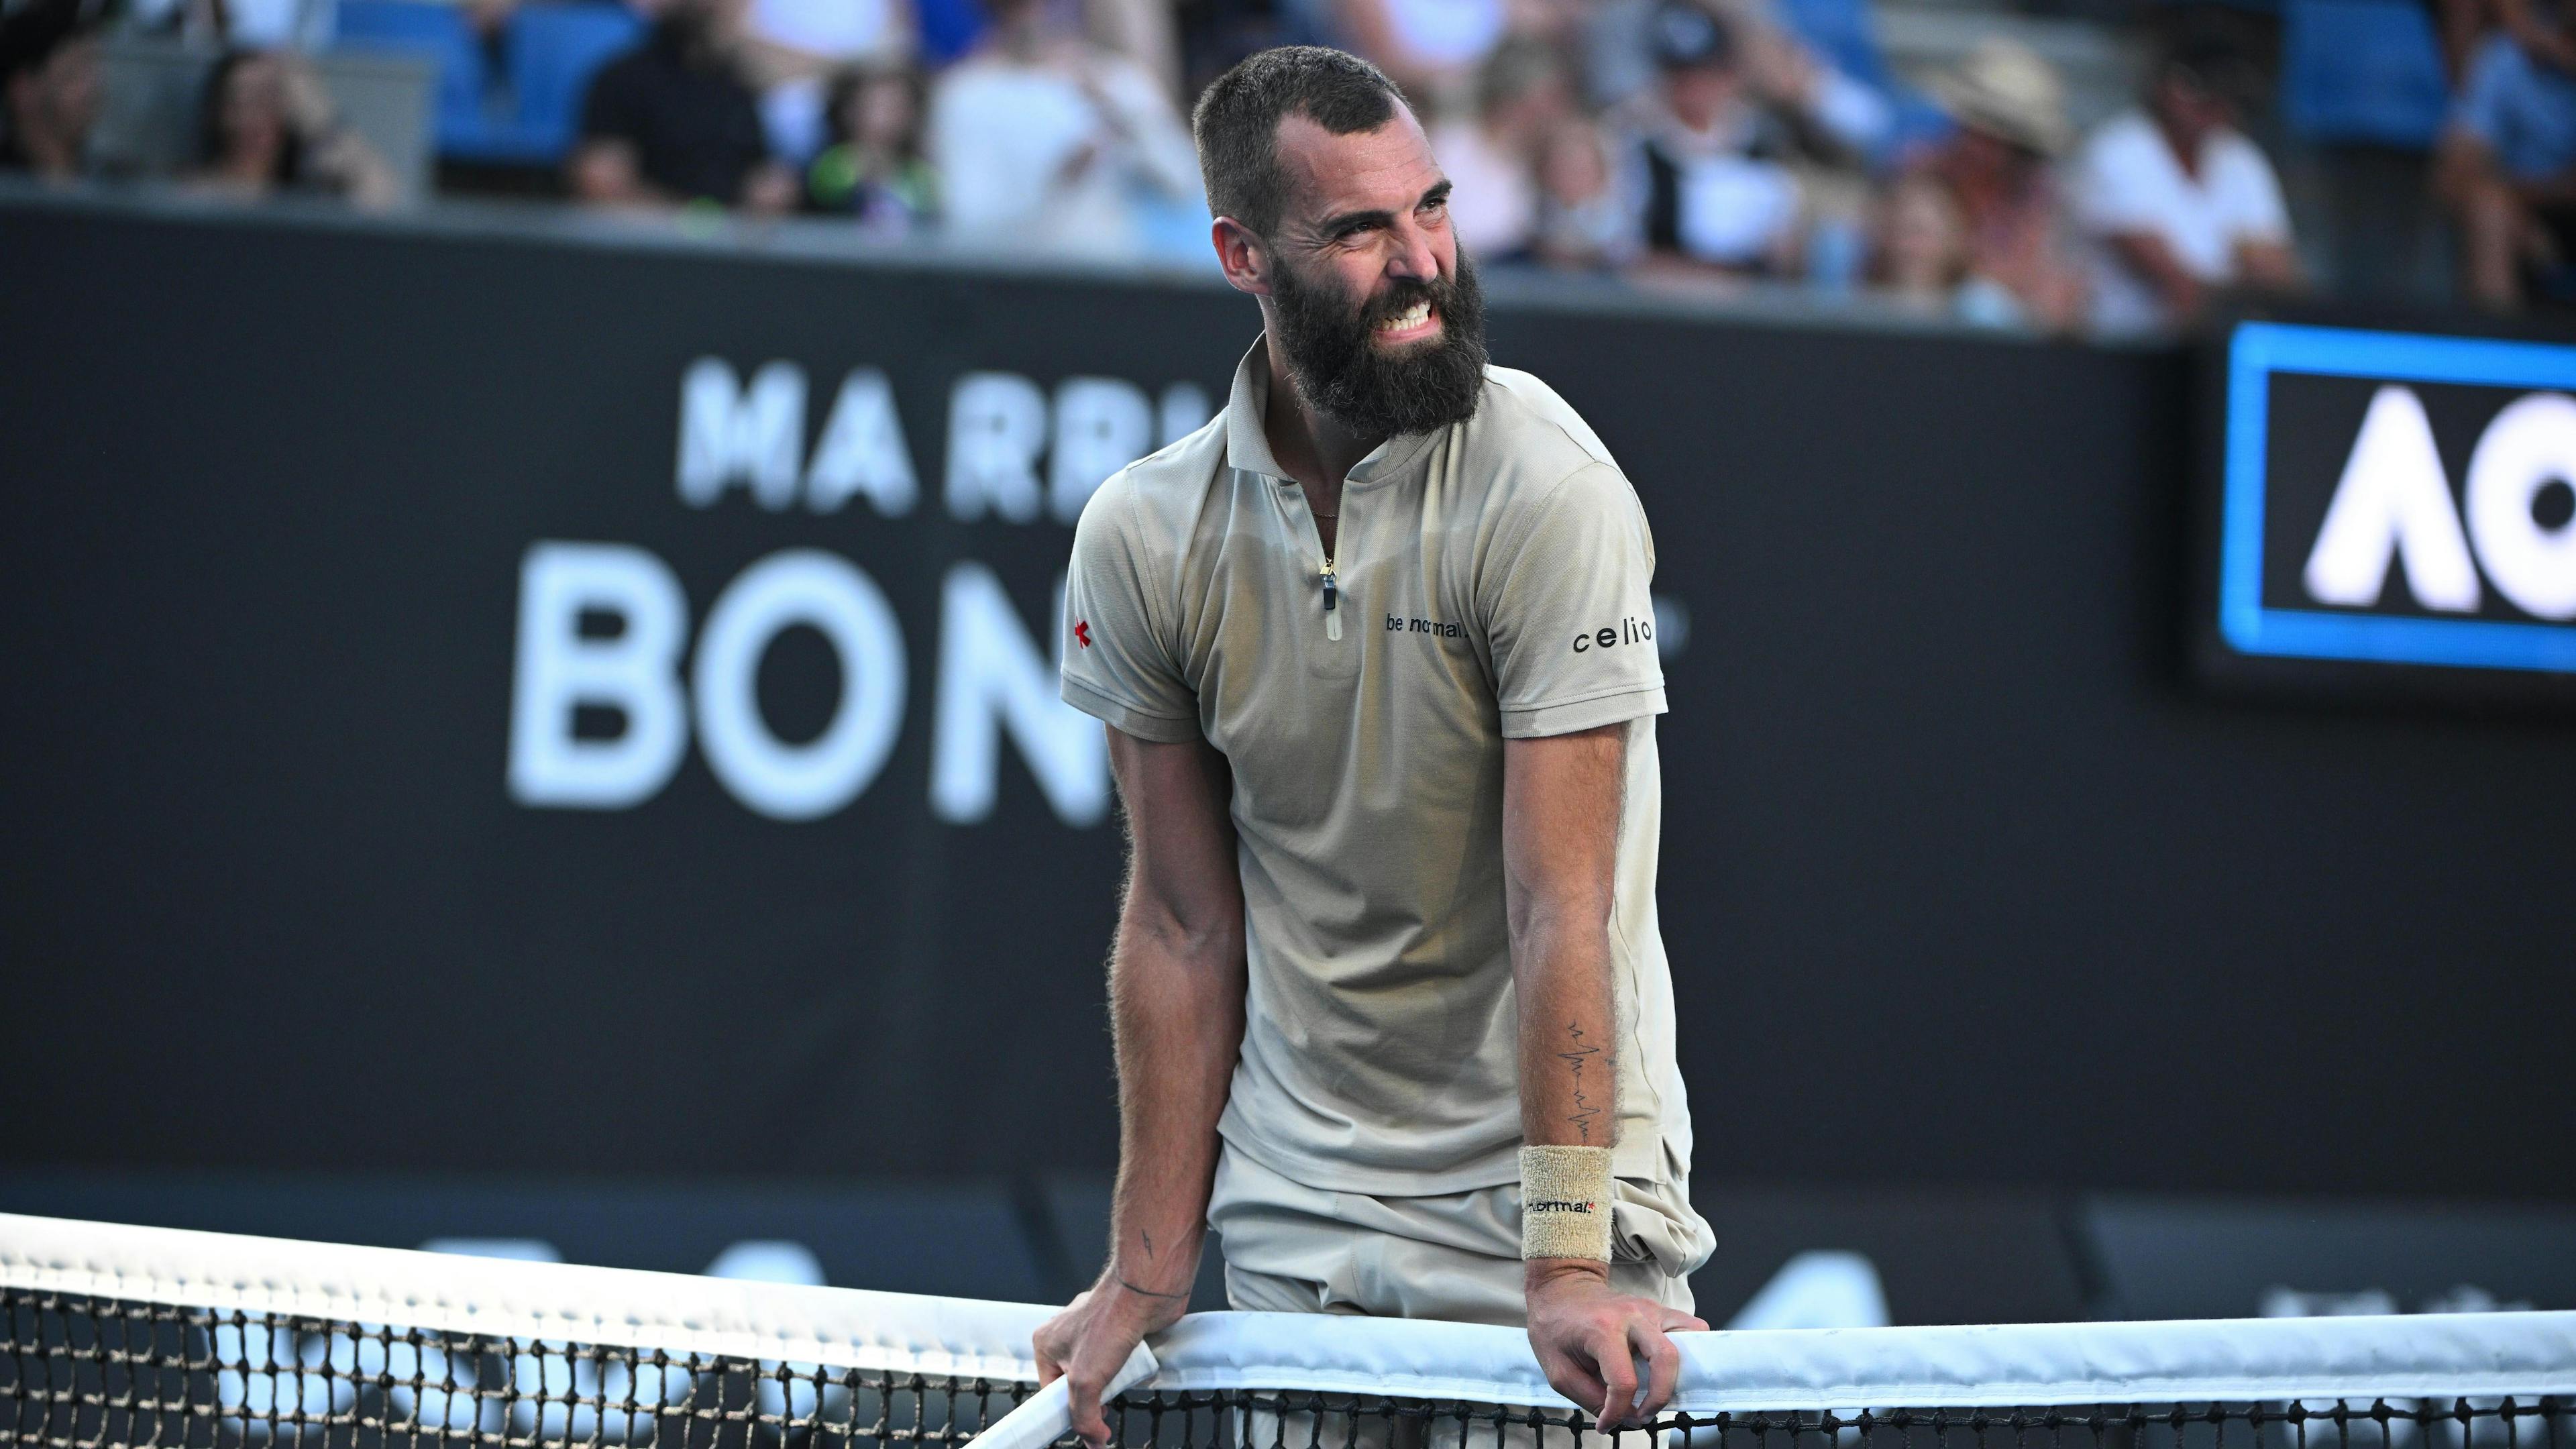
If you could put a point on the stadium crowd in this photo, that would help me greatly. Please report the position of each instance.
(1680, 143)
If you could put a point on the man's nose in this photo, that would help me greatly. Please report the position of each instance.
(1414, 257)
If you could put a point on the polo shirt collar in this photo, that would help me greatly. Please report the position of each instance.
(1247, 441)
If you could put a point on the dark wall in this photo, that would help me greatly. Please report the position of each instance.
(1961, 882)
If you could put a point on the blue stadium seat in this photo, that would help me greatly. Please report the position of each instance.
(437, 32)
(1839, 31)
(948, 28)
(2362, 71)
(554, 51)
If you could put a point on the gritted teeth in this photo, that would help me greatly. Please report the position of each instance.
(1408, 319)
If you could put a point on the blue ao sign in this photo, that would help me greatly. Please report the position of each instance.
(2399, 503)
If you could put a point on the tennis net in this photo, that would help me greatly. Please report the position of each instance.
(138, 1336)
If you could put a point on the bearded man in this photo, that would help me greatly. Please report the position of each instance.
(1376, 655)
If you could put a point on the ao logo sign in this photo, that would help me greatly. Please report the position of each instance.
(605, 626)
(2394, 501)
(2489, 564)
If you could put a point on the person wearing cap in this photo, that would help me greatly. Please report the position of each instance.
(2177, 202)
(1709, 163)
(1995, 172)
(49, 81)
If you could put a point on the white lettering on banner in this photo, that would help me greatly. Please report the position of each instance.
(997, 427)
(730, 432)
(993, 677)
(862, 451)
(799, 781)
(2531, 444)
(635, 672)
(2393, 500)
(1102, 424)
(1000, 425)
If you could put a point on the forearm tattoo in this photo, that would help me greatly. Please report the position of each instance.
(1577, 1054)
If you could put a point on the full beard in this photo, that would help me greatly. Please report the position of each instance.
(1345, 375)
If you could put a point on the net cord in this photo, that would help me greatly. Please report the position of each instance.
(2230, 1360)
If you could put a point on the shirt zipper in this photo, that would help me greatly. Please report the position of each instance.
(1332, 598)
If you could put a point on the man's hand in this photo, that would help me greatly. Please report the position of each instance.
(1086, 1343)
(1589, 1338)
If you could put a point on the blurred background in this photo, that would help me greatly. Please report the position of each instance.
(535, 525)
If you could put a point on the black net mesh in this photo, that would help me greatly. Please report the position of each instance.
(91, 1373)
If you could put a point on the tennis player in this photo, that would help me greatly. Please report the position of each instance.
(1377, 658)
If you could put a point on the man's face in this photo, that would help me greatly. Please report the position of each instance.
(1993, 157)
(2193, 111)
(1699, 96)
(1378, 313)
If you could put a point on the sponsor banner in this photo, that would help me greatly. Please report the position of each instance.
(2402, 506)
(482, 704)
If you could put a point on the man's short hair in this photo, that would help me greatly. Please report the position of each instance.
(1237, 122)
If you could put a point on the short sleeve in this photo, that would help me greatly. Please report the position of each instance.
(1118, 667)
(1569, 613)
(2255, 212)
(2111, 195)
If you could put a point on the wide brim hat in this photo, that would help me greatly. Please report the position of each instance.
(2004, 88)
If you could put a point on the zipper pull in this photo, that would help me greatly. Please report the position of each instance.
(1332, 594)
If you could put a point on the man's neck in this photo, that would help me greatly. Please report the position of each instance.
(1318, 452)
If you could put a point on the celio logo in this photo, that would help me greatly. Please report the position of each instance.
(1631, 630)
(2394, 501)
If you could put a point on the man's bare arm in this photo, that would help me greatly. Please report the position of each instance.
(1176, 985)
(1562, 797)
(1561, 804)
(2153, 259)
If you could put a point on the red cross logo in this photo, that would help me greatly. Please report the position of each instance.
(1082, 632)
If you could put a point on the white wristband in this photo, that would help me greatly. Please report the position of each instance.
(1565, 1203)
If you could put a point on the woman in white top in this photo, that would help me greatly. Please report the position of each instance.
(2177, 202)
(1042, 139)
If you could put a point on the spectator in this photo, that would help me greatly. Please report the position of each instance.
(1521, 96)
(793, 50)
(673, 122)
(266, 126)
(1040, 135)
(1709, 162)
(49, 74)
(2176, 201)
(1840, 117)
(1431, 48)
(2507, 165)
(1919, 253)
(873, 168)
(1994, 172)
(1583, 223)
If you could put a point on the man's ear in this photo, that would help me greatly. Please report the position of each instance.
(1245, 258)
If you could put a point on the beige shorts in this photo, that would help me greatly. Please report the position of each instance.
(1290, 1248)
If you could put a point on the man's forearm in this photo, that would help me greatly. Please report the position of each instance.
(1568, 1042)
(1562, 799)
(1176, 999)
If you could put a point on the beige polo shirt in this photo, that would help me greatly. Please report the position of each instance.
(1490, 582)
